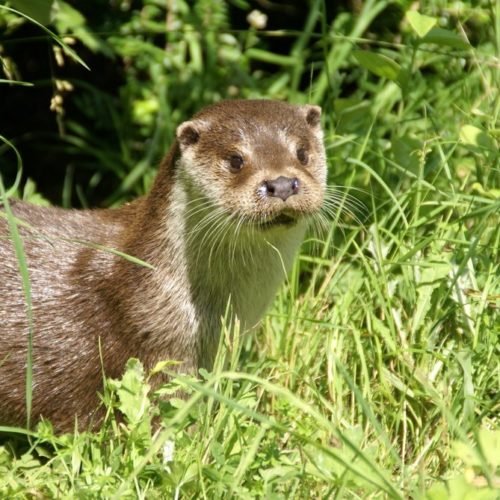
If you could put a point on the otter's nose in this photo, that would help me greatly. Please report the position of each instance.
(281, 187)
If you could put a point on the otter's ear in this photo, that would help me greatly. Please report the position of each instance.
(312, 114)
(188, 133)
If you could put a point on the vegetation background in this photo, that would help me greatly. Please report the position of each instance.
(376, 373)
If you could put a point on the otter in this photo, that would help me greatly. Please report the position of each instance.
(227, 211)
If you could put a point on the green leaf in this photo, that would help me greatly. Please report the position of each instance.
(440, 36)
(490, 445)
(69, 20)
(431, 278)
(477, 187)
(460, 489)
(406, 152)
(40, 10)
(31, 195)
(161, 366)
(133, 392)
(378, 64)
(437, 491)
(466, 453)
(421, 24)
(474, 136)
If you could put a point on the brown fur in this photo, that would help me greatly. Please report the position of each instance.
(83, 295)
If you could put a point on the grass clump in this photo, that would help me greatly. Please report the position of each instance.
(376, 373)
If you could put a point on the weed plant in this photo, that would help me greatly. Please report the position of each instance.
(376, 373)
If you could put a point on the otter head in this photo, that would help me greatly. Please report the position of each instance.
(259, 162)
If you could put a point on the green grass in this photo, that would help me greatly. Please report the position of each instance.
(376, 373)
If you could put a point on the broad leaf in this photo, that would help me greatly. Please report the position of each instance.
(378, 64)
(440, 36)
(474, 136)
(421, 24)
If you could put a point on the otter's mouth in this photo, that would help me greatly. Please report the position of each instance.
(279, 220)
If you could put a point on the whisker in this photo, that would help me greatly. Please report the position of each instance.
(349, 199)
(219, 236)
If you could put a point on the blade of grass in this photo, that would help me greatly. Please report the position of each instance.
(23, 269)
(52, 35)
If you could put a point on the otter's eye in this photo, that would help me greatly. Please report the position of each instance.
(235, 162)
(303, 156)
